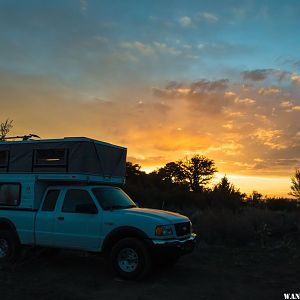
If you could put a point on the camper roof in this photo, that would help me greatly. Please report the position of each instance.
(72, 155)
(66, 139)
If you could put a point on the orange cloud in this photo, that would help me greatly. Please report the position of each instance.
(244, 129)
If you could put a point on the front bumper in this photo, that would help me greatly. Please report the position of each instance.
(174, 246)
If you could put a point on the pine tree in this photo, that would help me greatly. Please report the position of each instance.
(295, 187)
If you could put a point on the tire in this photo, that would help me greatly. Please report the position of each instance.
(9, 246)
(130, 259)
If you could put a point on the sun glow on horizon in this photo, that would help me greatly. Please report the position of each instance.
(271, 186)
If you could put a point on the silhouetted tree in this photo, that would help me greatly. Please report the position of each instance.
(195, 172)
(281, 204)
(171, 173)
(224, 186)
(5, 128)
(295, 187)
(198, 171)
(133, 170)
(256, 198)
(226, 195)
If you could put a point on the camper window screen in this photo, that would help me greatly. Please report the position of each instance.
(10, 194)
(3, 158)
(50, 157)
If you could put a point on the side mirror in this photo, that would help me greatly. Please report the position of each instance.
(88, 208)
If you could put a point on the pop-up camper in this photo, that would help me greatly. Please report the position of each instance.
(67, 158)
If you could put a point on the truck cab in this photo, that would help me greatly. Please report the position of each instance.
(87, 212)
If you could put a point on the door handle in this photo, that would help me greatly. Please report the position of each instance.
(60, 218)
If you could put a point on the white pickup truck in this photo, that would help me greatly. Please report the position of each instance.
(73, 211)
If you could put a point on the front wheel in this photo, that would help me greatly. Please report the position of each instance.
(9, 246)
(130, 259)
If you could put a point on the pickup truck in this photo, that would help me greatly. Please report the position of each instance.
(90, 217)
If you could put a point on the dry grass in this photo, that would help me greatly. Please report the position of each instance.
(249, 227)
(208, 273)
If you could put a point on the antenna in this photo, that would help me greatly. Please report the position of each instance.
(23, 137)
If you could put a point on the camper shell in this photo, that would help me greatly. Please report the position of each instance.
(62, 158)
(38, 164)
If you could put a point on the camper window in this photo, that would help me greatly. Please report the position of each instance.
(10, 194)
(3, 158)
(50, 157)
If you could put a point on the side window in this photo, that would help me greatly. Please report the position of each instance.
(10, 194)
(4, 158)
(79, 201)
(50, 157)
(50, 200)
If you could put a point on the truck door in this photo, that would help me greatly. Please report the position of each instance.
(44, 223)
(77, 222)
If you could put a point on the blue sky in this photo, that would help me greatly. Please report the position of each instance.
(164, 78)
(209, 38)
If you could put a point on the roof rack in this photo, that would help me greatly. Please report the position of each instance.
(23, 137)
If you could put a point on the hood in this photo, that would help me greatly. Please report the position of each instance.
(163, 215)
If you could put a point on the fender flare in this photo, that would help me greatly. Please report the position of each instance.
(119, 233)
(9, 225)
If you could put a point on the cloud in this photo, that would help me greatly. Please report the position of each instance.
(268, 91)
(185, 21)
(287, 162)
(209, 86)
(209, 17)
(203, 95)
(152, 161)
(247, 101)
(101, 39)
(150, 49)
(263, 74)
(140, 47)
(289, 106)
(218, 49)
(270, 137)
(83, 5)
(258, 119)
(257, 75)
(286, 104)
(295, 78)
(295, 63)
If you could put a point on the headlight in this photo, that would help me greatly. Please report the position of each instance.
(164, 230)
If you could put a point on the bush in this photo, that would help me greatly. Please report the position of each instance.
(250, 227)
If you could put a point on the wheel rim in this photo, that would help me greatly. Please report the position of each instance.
(3, 248)
(128, 260)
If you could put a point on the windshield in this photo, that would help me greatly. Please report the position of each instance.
(112, 198)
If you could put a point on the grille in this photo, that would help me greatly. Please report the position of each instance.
(183, 228)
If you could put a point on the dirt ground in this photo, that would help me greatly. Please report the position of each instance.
(208, 273)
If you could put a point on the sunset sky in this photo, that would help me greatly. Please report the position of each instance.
(166, 79)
